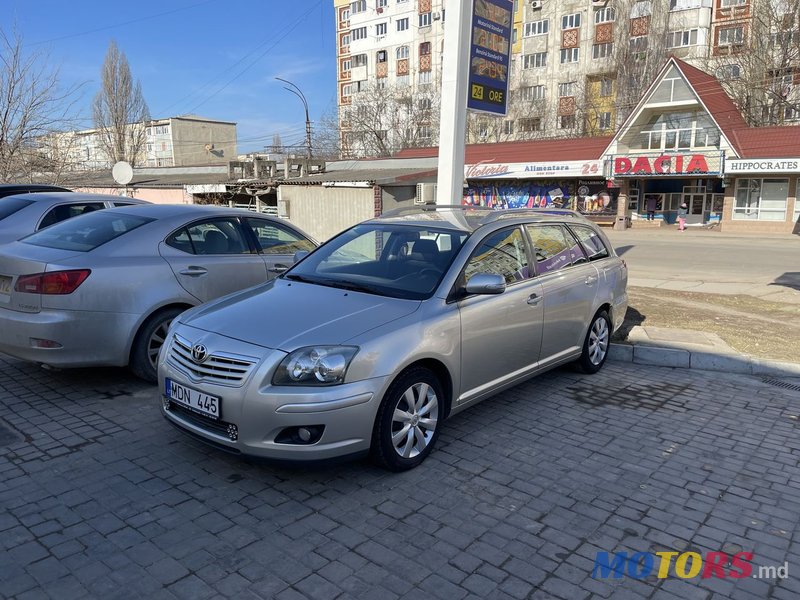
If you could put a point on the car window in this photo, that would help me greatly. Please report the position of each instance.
(591, 241)
(274, 238)
(554, 247)
(216, 236)
(11, 205)
(124, 203)
(86, 233)
(502, 253)
(62, 212)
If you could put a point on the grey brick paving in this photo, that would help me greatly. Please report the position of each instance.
(101, 498)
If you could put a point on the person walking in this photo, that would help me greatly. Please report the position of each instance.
(682, 212)
(651, 208)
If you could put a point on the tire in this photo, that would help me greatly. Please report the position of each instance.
(149, 339)
(595, 346)
(402, 441)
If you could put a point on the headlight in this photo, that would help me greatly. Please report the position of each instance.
(315, 365)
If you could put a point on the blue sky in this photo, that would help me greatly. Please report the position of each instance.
(216, 58)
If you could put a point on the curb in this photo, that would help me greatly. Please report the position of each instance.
(705, 361)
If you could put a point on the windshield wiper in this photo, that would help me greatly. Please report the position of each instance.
(302, 278)
(335, 283)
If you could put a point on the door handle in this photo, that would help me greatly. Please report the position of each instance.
(533, 299)
(194, 271)
(278, 269)
(590, 280)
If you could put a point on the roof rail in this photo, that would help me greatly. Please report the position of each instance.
(489, 214)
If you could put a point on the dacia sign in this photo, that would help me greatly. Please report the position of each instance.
(490, 49)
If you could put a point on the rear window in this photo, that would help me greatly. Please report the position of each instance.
(8, 206)
(86, 232)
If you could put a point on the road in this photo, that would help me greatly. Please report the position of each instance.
(101, 498)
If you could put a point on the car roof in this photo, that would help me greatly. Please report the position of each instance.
(55, 197)
(166, 211)
(11, 189)
(469, 218)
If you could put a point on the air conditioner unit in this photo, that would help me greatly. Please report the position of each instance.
(426, 193)
(436, 16)
(536, 4)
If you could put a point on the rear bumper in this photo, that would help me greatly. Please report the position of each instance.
(86, 338)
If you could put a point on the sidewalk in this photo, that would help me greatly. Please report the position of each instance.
(689, 349)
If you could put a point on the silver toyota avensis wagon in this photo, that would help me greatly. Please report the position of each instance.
(370, 342)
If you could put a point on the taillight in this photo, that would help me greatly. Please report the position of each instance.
(56, 282)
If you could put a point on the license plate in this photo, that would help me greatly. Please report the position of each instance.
(193, 399)
(5, 284)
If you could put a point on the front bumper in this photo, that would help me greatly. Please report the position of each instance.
(254, 413)
(85, 338)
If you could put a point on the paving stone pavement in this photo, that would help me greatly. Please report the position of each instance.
(101, 498)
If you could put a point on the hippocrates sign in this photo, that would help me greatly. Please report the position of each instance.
(762, 165)
(489, 53)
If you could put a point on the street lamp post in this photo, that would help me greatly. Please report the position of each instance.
(296, 91)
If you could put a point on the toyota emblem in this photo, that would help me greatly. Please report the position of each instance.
(199, 353)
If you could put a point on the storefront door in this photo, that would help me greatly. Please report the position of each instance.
(696, 204)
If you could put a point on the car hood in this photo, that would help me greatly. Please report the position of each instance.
(287, 315)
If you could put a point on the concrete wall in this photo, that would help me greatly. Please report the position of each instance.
(731, 225)
(154, 195)
(322, 212)
(189, 138)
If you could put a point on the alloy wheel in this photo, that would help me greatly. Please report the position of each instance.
(157, 340)
(598, 341)
(414, 420)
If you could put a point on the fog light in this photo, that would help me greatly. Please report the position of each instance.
(300, 436)
(304, 434)
(42, 343)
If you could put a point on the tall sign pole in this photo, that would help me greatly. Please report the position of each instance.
(475, 73)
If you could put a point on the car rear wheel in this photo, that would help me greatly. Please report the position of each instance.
(595, 346)
(152, 335)
(409, 419)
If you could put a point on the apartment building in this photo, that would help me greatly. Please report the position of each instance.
(172, 142)
(577, 66)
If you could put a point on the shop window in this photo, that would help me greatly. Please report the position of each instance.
(761, 199)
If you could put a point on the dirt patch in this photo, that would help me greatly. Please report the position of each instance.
(760, 328)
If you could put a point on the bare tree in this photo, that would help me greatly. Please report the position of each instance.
(33, 104)
(120, 111)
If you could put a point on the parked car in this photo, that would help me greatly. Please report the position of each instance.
(376, 337)
(25, 213)
(102, 288)
(12, 189)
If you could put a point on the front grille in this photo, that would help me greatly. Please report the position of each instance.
(217, 368)
(220, 428)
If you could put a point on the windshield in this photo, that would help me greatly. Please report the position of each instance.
(8, 206)
(86, 232)
(399, 261)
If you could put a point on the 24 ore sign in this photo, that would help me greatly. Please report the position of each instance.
(489, 56)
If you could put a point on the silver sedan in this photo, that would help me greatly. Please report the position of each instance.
(102, 288)
(371, 341)
(25, 213)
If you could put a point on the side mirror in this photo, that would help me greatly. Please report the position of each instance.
(486, 283)
(300, 255)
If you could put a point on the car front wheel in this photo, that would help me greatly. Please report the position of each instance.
(595, 346)
(408, 421)
(152, 335)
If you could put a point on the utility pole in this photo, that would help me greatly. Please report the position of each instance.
(296, 91)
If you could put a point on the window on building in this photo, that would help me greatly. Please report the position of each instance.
(381, 3)
(380, 83)
(530, 124)
(572, 21)
(566, 122)
(346, 65)
(566, 89)
(685, 4)
(358, 6)
(604, 15)
(761, 199)
(424, 132)
(402, 81)
(508, 127)
(532, 92)
(424, 104)
(424, 48)
(345, 14)
(347, 90)
(380, 29)
(425, 78)
(425, 19)
(569, 55)
(731, 36)
(731, 3)
(606, 87)
(359, 33)
(679, 39)
(346, 39)
(791, 113)
(642, 8)
(732, 71)
(359, 60)
(602, 50)
(380, 56)
(402, 52)
(402, 24)
(604, 120)
(536, 28)
(679, 131)
(534, 61)
(638, 43)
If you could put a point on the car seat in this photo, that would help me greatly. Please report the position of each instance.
(215, 242)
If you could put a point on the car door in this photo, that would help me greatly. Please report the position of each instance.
(612, 271)
(213, 257)
(277, 243)
(500, 334)
(569, 286)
